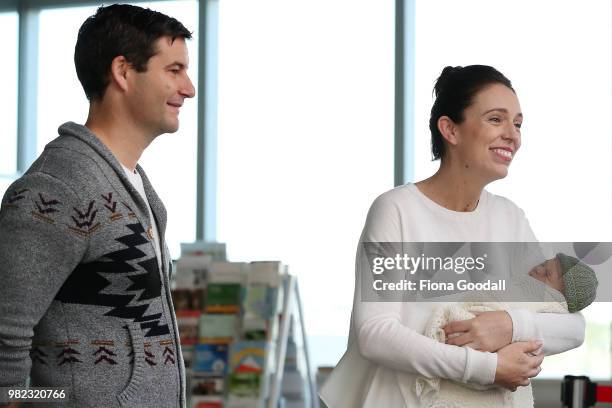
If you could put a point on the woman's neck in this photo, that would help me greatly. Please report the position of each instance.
(453, 188)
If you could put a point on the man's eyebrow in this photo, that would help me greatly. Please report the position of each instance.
(503, 110)
(177, 64)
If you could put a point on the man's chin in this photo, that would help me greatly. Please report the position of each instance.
(170, 128)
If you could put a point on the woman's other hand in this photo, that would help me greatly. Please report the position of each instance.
(488, 331)
(517, 363)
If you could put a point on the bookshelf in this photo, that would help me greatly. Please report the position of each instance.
(292, 328)
(242, 335)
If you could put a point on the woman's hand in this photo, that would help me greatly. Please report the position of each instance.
(488, 331)
(517, 363)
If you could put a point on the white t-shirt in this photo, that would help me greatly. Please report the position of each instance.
(386, 337)
(136, 181)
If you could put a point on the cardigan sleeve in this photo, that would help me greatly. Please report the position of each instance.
(558, 332)
(383, 339)
(38, 251)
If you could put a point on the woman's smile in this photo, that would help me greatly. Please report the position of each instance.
(502, 154)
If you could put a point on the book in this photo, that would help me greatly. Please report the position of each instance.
(260, 301)
(192, 271)
(218, 328)
(188, 299)
(247, 356)
(211, 359)
(265, 272)
(223, 298)
(246, 365)
(188, 322)
(229, 272)
(216, 250)
(200, 401)
(203, 384)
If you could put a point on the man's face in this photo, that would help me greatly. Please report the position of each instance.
(156, 95)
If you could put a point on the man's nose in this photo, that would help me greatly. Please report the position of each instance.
(188, 90)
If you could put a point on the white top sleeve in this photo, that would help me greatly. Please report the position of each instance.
(383, 339)
(558, 332)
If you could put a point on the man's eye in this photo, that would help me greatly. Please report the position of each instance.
(518, 125)
(495, 119)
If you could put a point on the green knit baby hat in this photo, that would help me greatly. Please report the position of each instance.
(580, 282)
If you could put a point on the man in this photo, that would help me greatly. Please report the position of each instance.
(85, 298)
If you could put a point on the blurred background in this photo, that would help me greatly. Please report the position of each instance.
(307, 110)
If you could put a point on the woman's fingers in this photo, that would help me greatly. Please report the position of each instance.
(458, 326)
(536, 360)
(534, 372)
(461, 340)
(474, 345)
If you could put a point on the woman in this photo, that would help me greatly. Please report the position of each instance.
(475, 126)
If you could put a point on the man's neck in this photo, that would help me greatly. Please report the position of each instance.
(125, 141)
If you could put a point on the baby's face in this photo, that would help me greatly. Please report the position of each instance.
(550, 273)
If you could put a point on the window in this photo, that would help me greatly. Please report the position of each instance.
(9, 23)
(305, 143)
(170, 161)
(562, 78)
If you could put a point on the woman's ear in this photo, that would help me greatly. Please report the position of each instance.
(448, 130)
(119, 72)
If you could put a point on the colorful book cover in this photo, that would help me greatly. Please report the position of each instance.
(223, 298)
(244, 385)
(188, 322)
(206, 402)
(217, 328)
(211, 359)
(265, 272)
(192, 271)
(247, 356)
(216, 250)
(181, 298)
(188, 299)
(229, 272)
(204, 384)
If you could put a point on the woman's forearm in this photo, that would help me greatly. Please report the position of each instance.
(387, 342)
(559, 332)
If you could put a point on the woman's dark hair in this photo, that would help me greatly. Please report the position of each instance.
(119, 29)
(455, 89)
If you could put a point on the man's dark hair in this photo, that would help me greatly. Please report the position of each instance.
(119, 29)
(455, 89)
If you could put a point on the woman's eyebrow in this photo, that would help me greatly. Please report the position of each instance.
(502, 110)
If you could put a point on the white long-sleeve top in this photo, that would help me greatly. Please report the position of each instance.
(387, 337)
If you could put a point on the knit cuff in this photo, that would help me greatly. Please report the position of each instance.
(523, 325)
(480, 367)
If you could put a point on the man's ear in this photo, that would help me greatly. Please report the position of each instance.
(119, 72)
(448, 130)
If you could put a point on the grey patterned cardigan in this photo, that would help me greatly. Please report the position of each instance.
(83, 304)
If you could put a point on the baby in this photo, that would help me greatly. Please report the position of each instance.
(575, 280)
(565, 285)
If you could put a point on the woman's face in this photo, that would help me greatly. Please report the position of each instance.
(489, 136)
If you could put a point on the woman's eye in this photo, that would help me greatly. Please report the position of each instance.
(495, 119)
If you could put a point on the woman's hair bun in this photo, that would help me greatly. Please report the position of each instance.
(448, 73)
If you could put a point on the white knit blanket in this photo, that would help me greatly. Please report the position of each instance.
(442, 393)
